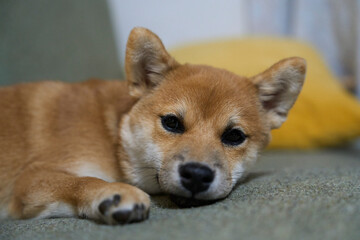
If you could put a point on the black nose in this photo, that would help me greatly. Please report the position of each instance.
(196, 177)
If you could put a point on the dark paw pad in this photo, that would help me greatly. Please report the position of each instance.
(137, 214)
(122, 217)
(108, 203)
(140, 213)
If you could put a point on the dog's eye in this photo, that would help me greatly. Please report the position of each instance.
(172, 124)
(233, 137)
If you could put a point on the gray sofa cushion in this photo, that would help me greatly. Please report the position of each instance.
(288, 195)
(59, 40)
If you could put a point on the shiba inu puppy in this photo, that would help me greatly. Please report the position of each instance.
(97, 149)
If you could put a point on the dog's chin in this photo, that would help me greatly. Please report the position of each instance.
(184, 202)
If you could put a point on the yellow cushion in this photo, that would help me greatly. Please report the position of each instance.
(324, 114)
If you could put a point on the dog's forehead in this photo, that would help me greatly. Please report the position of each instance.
(209, 93)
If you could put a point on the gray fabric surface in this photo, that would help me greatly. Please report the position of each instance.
(58, 40)
(288, 195)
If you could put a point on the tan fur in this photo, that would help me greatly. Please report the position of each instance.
(66, 148)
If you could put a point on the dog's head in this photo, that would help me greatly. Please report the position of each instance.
(195, 128)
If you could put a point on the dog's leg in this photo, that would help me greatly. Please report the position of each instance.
(43, 193)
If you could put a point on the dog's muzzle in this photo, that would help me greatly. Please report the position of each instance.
(195, 178)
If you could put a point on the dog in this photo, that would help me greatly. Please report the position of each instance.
(96, 149)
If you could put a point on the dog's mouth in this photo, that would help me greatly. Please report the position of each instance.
(184, 202)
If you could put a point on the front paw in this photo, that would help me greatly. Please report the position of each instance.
(119, 203)
(114, 212)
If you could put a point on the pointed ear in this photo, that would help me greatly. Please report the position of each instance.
(278, 88)
(146, 62)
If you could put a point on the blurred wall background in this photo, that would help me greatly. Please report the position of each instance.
(179, 22)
